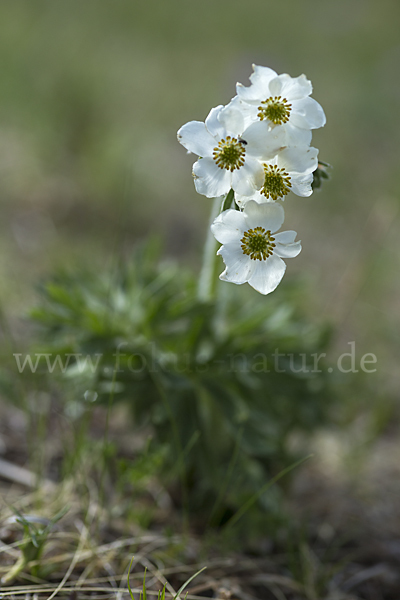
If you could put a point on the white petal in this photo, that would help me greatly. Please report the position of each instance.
(295, 136)
(210, 180)
(300, 159)
(249, 178)
(263, 141)
(308, 114)
(225, 277)
(294, 88)
(259, 88)
(195, 137)
(250, 94)
(301, 184)
(229, 226)
(249, 112)
(275, 85)
(269, 215)
(257, 197)
(213, 125)
(232, 119)
(238, 265)
(288, 250)
(285, 237)
(264, 74)
(267, 274)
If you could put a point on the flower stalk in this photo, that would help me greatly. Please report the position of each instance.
(206, 286)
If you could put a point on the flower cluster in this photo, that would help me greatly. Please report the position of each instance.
(258, 145)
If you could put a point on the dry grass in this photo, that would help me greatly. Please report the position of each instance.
(346, 549)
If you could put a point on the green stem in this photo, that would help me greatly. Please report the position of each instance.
(208, 273)
(15, 570)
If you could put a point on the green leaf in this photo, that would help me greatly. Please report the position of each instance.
(228, 200)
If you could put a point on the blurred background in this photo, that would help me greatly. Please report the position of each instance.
(92, 94)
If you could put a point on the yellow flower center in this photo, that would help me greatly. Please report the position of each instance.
(275, 109)
(258, 243)
(229, 154)
(276, 182)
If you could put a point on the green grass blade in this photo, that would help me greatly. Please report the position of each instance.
(144, 587)
(129, 585)
(161, 595)
(247, 505)
(187, 583)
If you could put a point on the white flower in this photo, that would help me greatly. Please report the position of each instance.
(229, 155)
(275, 100)
(251, 250)
(290, 170)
